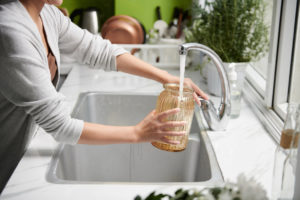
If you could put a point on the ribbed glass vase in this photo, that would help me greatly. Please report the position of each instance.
(169, 99)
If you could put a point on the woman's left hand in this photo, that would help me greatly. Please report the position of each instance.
(197, 91)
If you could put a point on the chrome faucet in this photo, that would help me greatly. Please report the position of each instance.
(217, 119)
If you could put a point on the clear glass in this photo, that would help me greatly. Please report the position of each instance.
(283, 176)
(261, 65)
(286, 154)
(235, 99)
(169, 99)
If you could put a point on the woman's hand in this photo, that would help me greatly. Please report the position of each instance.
(197, 91)
(188, 82)
(153, 127)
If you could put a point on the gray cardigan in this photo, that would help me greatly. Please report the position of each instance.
(27, 95)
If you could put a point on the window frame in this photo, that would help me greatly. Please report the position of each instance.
(285, 56)
(270, 96)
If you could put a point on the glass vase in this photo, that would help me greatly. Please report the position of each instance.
(169, 99)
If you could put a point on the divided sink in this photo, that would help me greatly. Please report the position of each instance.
(131, 163)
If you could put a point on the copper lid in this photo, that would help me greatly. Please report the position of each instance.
(123, 29)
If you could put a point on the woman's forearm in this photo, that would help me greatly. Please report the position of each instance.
(132, 65)
(103, 134)
(153, 127)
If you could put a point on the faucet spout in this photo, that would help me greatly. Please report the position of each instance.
(217, 119)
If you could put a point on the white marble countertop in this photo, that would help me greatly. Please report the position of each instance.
(245, 147)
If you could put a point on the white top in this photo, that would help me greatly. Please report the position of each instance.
(27, 95)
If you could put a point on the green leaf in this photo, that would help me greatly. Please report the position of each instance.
(216, 192)
(153, 196)
(181, 195)
(234, 29)
(138, 197)
(178, 191)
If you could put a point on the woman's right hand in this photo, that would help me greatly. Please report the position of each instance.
(154, 128)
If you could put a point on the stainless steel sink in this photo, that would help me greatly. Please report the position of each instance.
(127, 163)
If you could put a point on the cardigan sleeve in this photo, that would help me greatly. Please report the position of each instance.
(85, 47)
(25, 81)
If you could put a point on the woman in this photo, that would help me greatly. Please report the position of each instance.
(33, 35)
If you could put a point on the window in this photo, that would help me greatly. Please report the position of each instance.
(261, 66)
(283, 67)
(276, 76)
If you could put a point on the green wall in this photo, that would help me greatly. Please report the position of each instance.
(144, 10)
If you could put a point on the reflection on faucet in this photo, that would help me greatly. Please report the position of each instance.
(217, 119)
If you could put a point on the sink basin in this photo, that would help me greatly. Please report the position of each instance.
(127, 163)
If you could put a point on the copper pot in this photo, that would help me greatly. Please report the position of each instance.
(123, 29)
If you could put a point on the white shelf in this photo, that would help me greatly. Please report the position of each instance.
(160, 55)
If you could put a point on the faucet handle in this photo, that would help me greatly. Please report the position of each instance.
(205, 104)
(212, 114)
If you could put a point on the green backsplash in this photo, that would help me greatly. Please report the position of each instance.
(144, 10)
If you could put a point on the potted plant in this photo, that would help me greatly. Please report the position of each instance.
(234, 29)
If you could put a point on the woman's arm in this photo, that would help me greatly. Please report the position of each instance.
(130, 64)
(149, 129)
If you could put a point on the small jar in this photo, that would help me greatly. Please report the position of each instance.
(169, 99)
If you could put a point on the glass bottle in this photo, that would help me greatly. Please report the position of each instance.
(285, 155)
(169, 99)
(235, 92)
